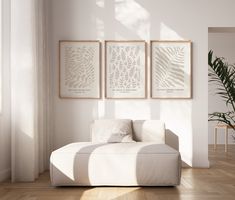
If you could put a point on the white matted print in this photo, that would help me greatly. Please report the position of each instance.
(125, 69)
(171, 69)
(80, 69)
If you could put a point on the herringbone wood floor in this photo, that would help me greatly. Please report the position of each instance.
(217, 183)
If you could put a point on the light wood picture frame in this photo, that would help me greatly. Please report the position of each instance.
(80, 69)
(171, 69)
(125, 69)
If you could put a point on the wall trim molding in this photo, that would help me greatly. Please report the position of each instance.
(5, 174)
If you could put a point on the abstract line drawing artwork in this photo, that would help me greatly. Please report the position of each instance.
(79, 69)
(125, 65)
(170, 69)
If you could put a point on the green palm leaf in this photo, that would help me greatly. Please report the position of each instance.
(223, 76)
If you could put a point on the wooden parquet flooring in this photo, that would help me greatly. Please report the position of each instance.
(215, 183)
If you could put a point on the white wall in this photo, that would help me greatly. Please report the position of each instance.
(223, 45)
(145, 20)
(5, 151)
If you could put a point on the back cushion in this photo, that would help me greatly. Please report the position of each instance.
(112, 130)
(149, 131)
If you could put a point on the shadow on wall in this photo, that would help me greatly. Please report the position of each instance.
(171, 139)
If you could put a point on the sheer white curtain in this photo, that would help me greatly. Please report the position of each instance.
(29, 93)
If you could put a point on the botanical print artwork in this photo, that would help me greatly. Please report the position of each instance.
(79, 69)
(171, 69)
(125, 70)
(170, 72)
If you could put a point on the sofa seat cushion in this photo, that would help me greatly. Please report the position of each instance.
(116, 148)
(116, 164)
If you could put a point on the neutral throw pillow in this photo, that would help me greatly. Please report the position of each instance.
(149, 131)
(112, 130)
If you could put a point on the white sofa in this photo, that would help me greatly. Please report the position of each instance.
(147, 162)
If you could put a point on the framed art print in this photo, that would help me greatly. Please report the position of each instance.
(171, 73)
(80, 69)
(125, 69)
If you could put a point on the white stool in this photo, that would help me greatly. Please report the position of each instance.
(225, 127)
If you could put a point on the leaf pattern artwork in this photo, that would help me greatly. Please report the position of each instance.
(124, 68)
(168, 71)
(79, 70)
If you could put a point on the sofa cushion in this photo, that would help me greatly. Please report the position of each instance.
(112, 130)
(149, 131)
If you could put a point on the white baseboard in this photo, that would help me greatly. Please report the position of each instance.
(5, 174)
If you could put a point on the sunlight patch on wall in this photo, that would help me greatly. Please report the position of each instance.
(132, 110)
(101, 109)
(134, 17)
(100, 3)
(99, 28)
(167, 33)
(119, 36)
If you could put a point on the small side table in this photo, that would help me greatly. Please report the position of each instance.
(225, 127)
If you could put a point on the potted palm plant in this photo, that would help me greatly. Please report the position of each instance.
(223, 75)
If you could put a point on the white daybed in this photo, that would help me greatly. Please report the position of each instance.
(147, 162)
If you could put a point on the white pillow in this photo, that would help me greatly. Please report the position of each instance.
(149, 131)
(112, 130)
